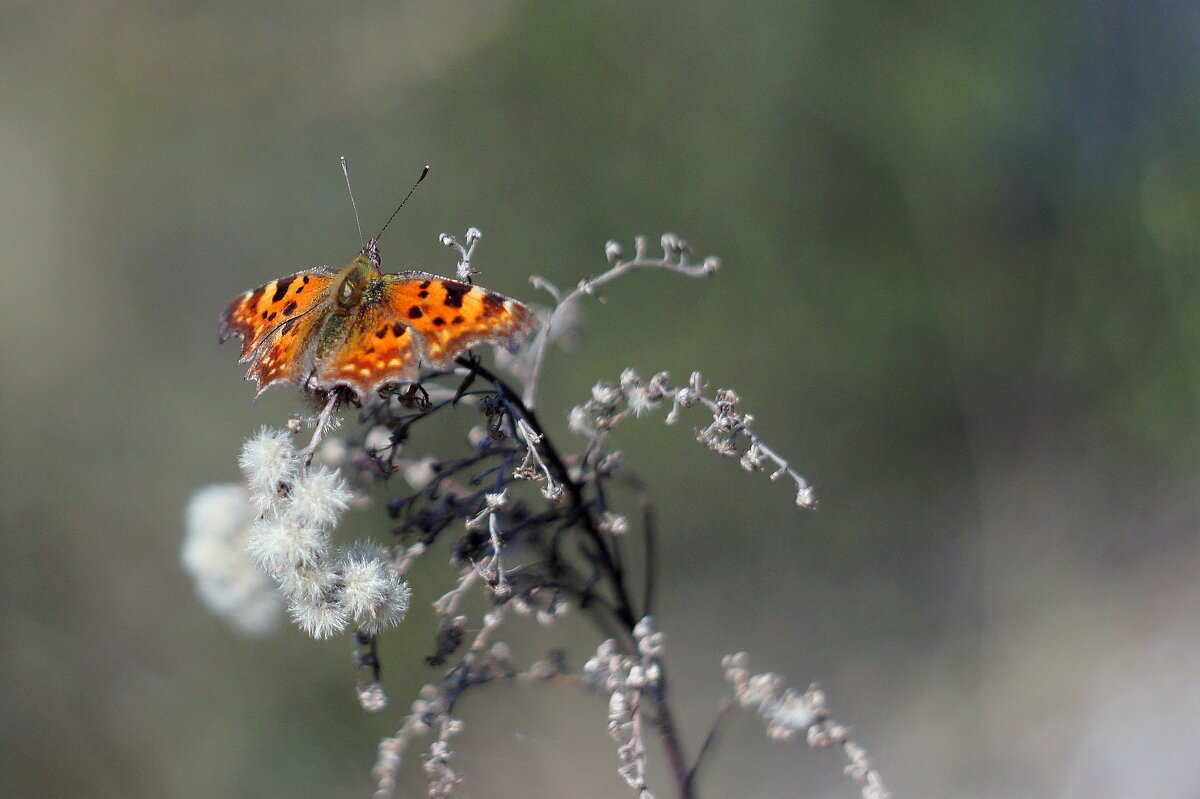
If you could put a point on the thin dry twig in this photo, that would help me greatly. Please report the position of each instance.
(789, 714)
(675, 258)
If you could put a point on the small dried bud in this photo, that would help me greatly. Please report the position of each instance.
(447, 240)
(579, 421)
(420, 473)
(658, 386)
(612, 251)
(610, 463)
(686, 396)
(541, 670)
(495, 502)
(614, 523)
(618, 707)
(477, 435)
(378, 439)
(332, 452)
(644, 627)
(527, 472)
(372, 698)
(474, 234)
(752, 459)
(605, 394)
(727, 401)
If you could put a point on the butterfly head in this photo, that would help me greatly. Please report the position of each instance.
(352, 282)
(371, 250)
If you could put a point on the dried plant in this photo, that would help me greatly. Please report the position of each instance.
(532, 525)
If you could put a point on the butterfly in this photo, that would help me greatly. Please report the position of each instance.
(362, 330)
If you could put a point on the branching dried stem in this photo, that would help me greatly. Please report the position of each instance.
(721, 435)
(479, 505)
(675, 258)
(789, 714)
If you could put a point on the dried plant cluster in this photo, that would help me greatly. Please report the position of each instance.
(537, 527)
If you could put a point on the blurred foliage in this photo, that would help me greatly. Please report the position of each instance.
(960, 291)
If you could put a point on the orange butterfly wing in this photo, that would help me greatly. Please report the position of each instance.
(256, 314)
(283, 356)
(400, 322)
(378, 349)
(413, 317)
(450, 316)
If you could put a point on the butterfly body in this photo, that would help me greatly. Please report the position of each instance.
(362, 329)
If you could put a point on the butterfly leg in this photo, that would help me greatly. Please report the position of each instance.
(472, 373)
(416, 395)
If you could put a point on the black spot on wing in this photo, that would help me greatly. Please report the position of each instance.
(455, 293)
(398, 328)
(290, 308)
(415, 313)
(281, 287)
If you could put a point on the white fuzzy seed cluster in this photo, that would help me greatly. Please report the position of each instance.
(627, 679)
(326, 588)
(610, 404)
(218, 520)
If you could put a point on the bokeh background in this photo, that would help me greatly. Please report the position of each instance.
(961, 291)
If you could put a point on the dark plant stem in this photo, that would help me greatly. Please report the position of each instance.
(624, 604)
(710, 740)
(623, 607)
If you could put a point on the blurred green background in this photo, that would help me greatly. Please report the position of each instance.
(960, 291)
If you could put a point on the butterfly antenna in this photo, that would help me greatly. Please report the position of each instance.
(346, 172)
(424, 172)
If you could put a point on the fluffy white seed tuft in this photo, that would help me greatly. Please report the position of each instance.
(374, 596)
(319, 496)
(319, 619)
(268, 460)
(315, 583)
(217, 521)
(276, 544)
